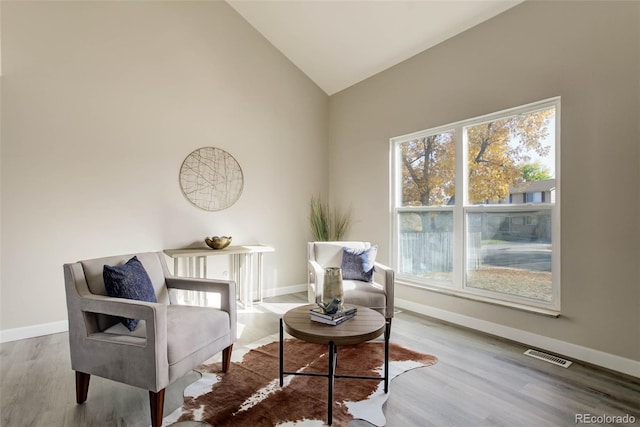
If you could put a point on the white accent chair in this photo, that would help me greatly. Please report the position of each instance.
(377, 295)
(169, 341)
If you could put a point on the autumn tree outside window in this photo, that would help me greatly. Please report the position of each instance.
(476, 206)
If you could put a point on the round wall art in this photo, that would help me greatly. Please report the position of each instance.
(211, 179)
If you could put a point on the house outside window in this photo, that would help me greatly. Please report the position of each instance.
(475, 207)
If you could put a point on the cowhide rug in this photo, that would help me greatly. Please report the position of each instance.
(249, 394)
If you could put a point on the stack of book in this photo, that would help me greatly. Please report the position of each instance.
(318, 315)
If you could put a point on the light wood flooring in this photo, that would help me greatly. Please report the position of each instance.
(479, 380)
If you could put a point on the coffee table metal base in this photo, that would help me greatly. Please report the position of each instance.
(331, 371)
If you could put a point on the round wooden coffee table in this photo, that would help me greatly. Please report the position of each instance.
(365, 326)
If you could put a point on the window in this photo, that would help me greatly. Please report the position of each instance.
(475, 207)
(533, 197)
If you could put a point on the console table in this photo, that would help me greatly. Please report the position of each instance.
(242, 267)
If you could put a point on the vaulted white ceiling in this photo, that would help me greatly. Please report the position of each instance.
(340, 43)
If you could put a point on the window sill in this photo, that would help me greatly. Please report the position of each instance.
(473, 297)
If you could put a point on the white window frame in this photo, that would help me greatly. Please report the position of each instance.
(462, 208)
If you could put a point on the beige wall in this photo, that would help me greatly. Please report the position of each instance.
(101, 103)
(589, 54)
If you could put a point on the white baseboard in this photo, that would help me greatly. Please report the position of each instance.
(573, 351)
(16, 334)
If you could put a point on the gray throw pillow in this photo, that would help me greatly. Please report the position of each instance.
(129, 281)
(357, 264)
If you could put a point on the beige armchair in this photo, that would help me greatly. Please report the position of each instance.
(377, 295)
(168, 342)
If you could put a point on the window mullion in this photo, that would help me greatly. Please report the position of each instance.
(458, 211)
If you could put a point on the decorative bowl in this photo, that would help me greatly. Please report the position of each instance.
(218, 242)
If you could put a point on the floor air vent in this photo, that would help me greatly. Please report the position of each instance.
(549, 358)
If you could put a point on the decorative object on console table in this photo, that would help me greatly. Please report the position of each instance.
(216, 242)
(332, 287)
(243, 260)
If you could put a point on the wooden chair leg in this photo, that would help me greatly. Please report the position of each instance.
(156, 402)
(82, 387)
(226, 358)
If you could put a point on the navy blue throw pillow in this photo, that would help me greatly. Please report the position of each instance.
(357, 264)
(129, 281)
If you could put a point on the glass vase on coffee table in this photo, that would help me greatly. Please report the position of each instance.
(332, 290)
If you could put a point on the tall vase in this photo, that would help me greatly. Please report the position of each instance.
(332, 288)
